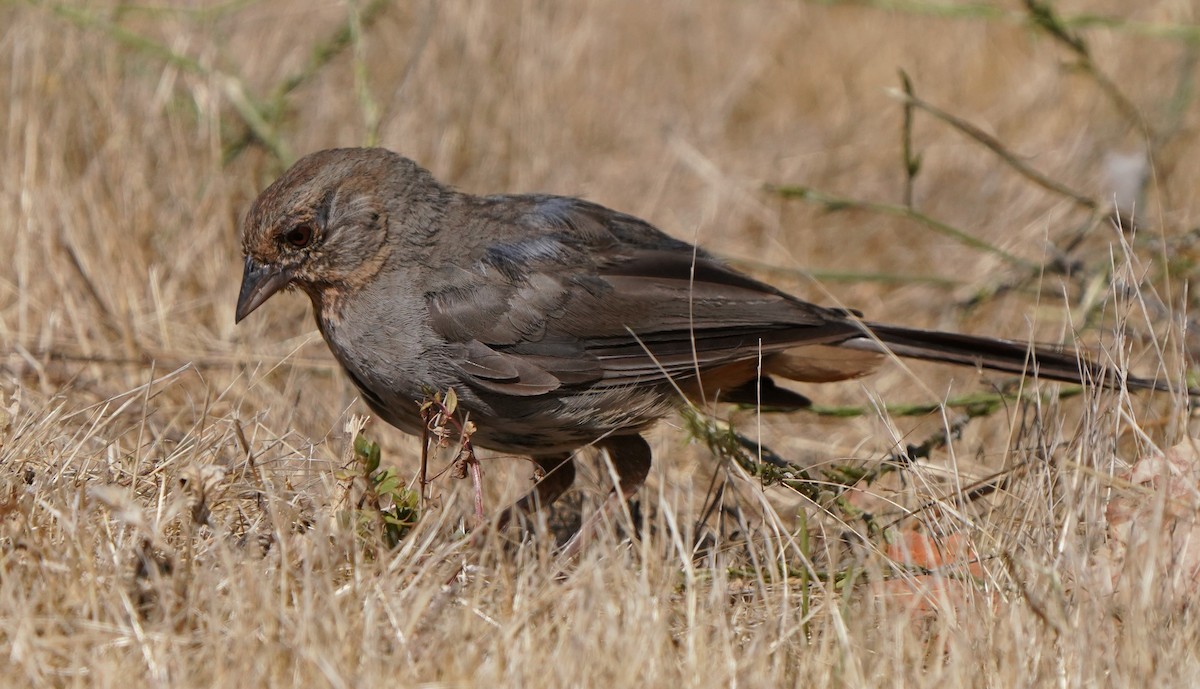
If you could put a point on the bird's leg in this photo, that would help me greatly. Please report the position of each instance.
(558, 473)
(630, 457)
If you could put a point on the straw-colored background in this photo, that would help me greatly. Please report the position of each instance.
(135, 136)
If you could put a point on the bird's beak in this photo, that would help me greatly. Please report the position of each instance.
(259, 282)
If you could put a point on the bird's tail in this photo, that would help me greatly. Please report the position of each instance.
(1011, 356)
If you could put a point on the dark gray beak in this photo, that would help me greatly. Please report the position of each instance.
(259, 282)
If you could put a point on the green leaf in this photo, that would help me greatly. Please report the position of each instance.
(388, 484)
(367, 452)
(362, 447)
(408, 499)
(395, 520)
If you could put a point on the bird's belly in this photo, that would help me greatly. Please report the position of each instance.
(560, 420)
(556, 422)
(563, 420)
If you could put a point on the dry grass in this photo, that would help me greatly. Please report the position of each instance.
(129, 396)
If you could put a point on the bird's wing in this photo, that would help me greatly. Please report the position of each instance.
(569, 293)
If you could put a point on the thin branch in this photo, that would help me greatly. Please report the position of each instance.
(994, 145)
(1043, 16)
(1177, 31)
(197, 359)
(912, 163)
(362, 83)
(852, 277)
(839, 203)
(253, 114)
(324, 52)
(976, 404)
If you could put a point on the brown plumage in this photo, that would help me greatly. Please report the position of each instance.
(558, 322)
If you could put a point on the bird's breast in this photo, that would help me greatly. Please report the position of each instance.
(385, 350)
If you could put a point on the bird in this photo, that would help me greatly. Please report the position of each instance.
(558, 323)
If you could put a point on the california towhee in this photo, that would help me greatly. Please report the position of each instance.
(558, 322)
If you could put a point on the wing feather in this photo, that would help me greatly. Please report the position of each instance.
(579, 295)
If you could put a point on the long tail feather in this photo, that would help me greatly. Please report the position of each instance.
(1011, 356)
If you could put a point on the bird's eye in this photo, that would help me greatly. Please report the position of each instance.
(299, 236)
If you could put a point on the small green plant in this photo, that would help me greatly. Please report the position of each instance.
(385, 508)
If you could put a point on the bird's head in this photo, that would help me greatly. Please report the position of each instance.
(323, 226)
